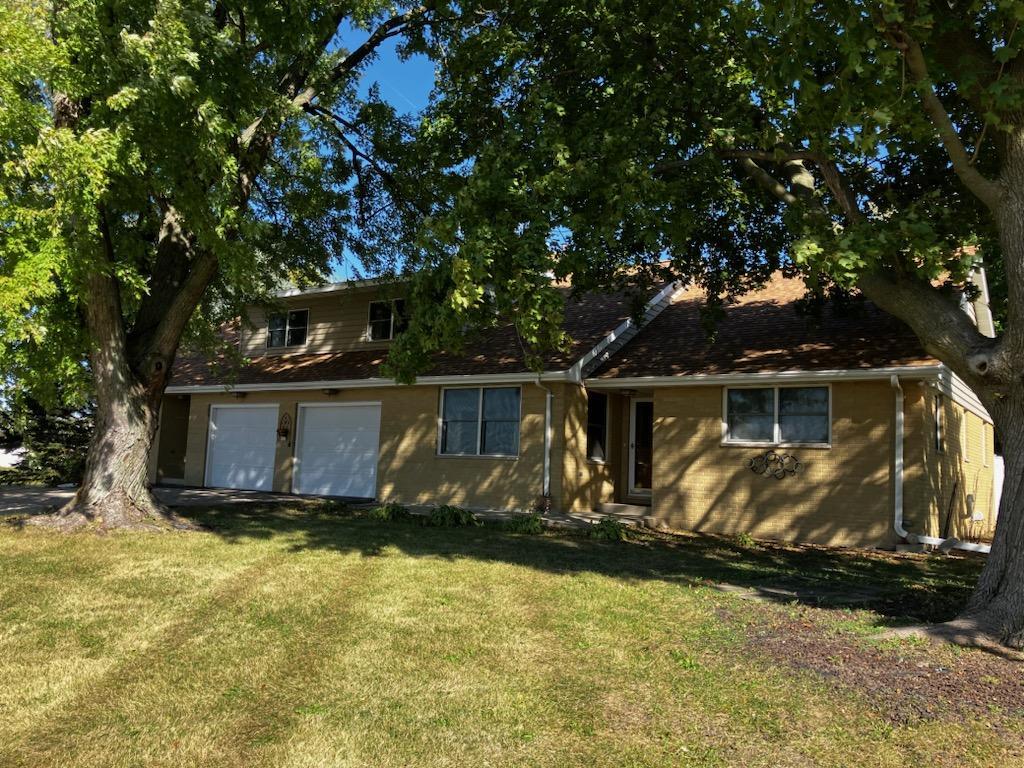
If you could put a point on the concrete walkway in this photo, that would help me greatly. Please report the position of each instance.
(20, 500)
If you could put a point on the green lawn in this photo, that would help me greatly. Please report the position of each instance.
(296, 637)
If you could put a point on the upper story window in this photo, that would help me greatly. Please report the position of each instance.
(778, 416)
(597, 426)
(480, 421)
(387, 320)
(287, 329)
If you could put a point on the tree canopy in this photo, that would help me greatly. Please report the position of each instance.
(198, 154)
(595, 139)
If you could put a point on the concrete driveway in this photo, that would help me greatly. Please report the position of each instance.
(20, 500)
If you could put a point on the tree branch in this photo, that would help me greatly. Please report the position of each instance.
(983, 188)
(945, 330)
(832, 176)
(768, 182)
(393, 26)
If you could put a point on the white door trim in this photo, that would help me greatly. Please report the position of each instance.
(633, 490)
(209, 432)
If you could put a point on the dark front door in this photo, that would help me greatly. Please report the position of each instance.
(642, 444)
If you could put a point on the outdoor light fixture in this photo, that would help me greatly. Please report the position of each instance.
(330, 391)
(284, 427)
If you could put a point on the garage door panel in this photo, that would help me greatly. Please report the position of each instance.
(338, 450)
(242, 447)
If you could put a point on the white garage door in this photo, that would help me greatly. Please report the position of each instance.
(241, 447)
(336, 452)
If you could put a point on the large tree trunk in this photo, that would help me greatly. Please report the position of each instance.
(996, 608)
(115, 492)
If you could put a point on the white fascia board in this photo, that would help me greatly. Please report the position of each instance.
(652, 309)
(957, 390)
(697, 380)
(343, 285)
(372, 383)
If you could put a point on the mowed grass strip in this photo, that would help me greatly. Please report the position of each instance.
(292, 638)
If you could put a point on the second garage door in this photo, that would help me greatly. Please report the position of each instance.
(336, 452)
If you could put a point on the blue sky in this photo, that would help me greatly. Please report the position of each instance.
(404, 84)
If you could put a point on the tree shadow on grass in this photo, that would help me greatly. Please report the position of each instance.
(901, 588)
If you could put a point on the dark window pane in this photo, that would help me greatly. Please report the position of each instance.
(296, 336)
(460, 421)
(276, 329)
(501, 403)
(459, 437)
(750, 414)
(803, 414)
(500, 438)
(500, 428)
(287, 329)
(401, 318)
(380, 320)
(597, 426)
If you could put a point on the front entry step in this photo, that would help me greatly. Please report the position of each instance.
(635, 514)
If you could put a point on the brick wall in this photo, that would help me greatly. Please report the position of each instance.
(842, 495)
(938, 480)
(410, 470)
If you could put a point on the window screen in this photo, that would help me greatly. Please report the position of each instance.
(287, 328)
(803, 414)
(480, 421)
(751, 415)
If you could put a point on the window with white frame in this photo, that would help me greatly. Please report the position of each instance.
(939, 413)
(480, 421)
(597, 426)
(777, 416)
(387, 320)
(287, 329)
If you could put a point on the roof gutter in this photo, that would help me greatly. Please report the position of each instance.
(375, 382)
(710, 379)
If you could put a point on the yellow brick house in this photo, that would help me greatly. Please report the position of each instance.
(824, 424)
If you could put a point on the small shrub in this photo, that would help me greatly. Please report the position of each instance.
(448, 516)
(530, 524)
(608, 529)
(389, 512)
(542, 505)
(744, 540)
(332, 507)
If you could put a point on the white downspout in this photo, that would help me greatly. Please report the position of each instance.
(548, 429)
(897, 521)
(897, 494)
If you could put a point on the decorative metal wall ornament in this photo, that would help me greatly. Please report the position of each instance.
(777, 465)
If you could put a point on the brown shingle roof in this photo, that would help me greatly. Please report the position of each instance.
(589, 319)
(764, 332)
